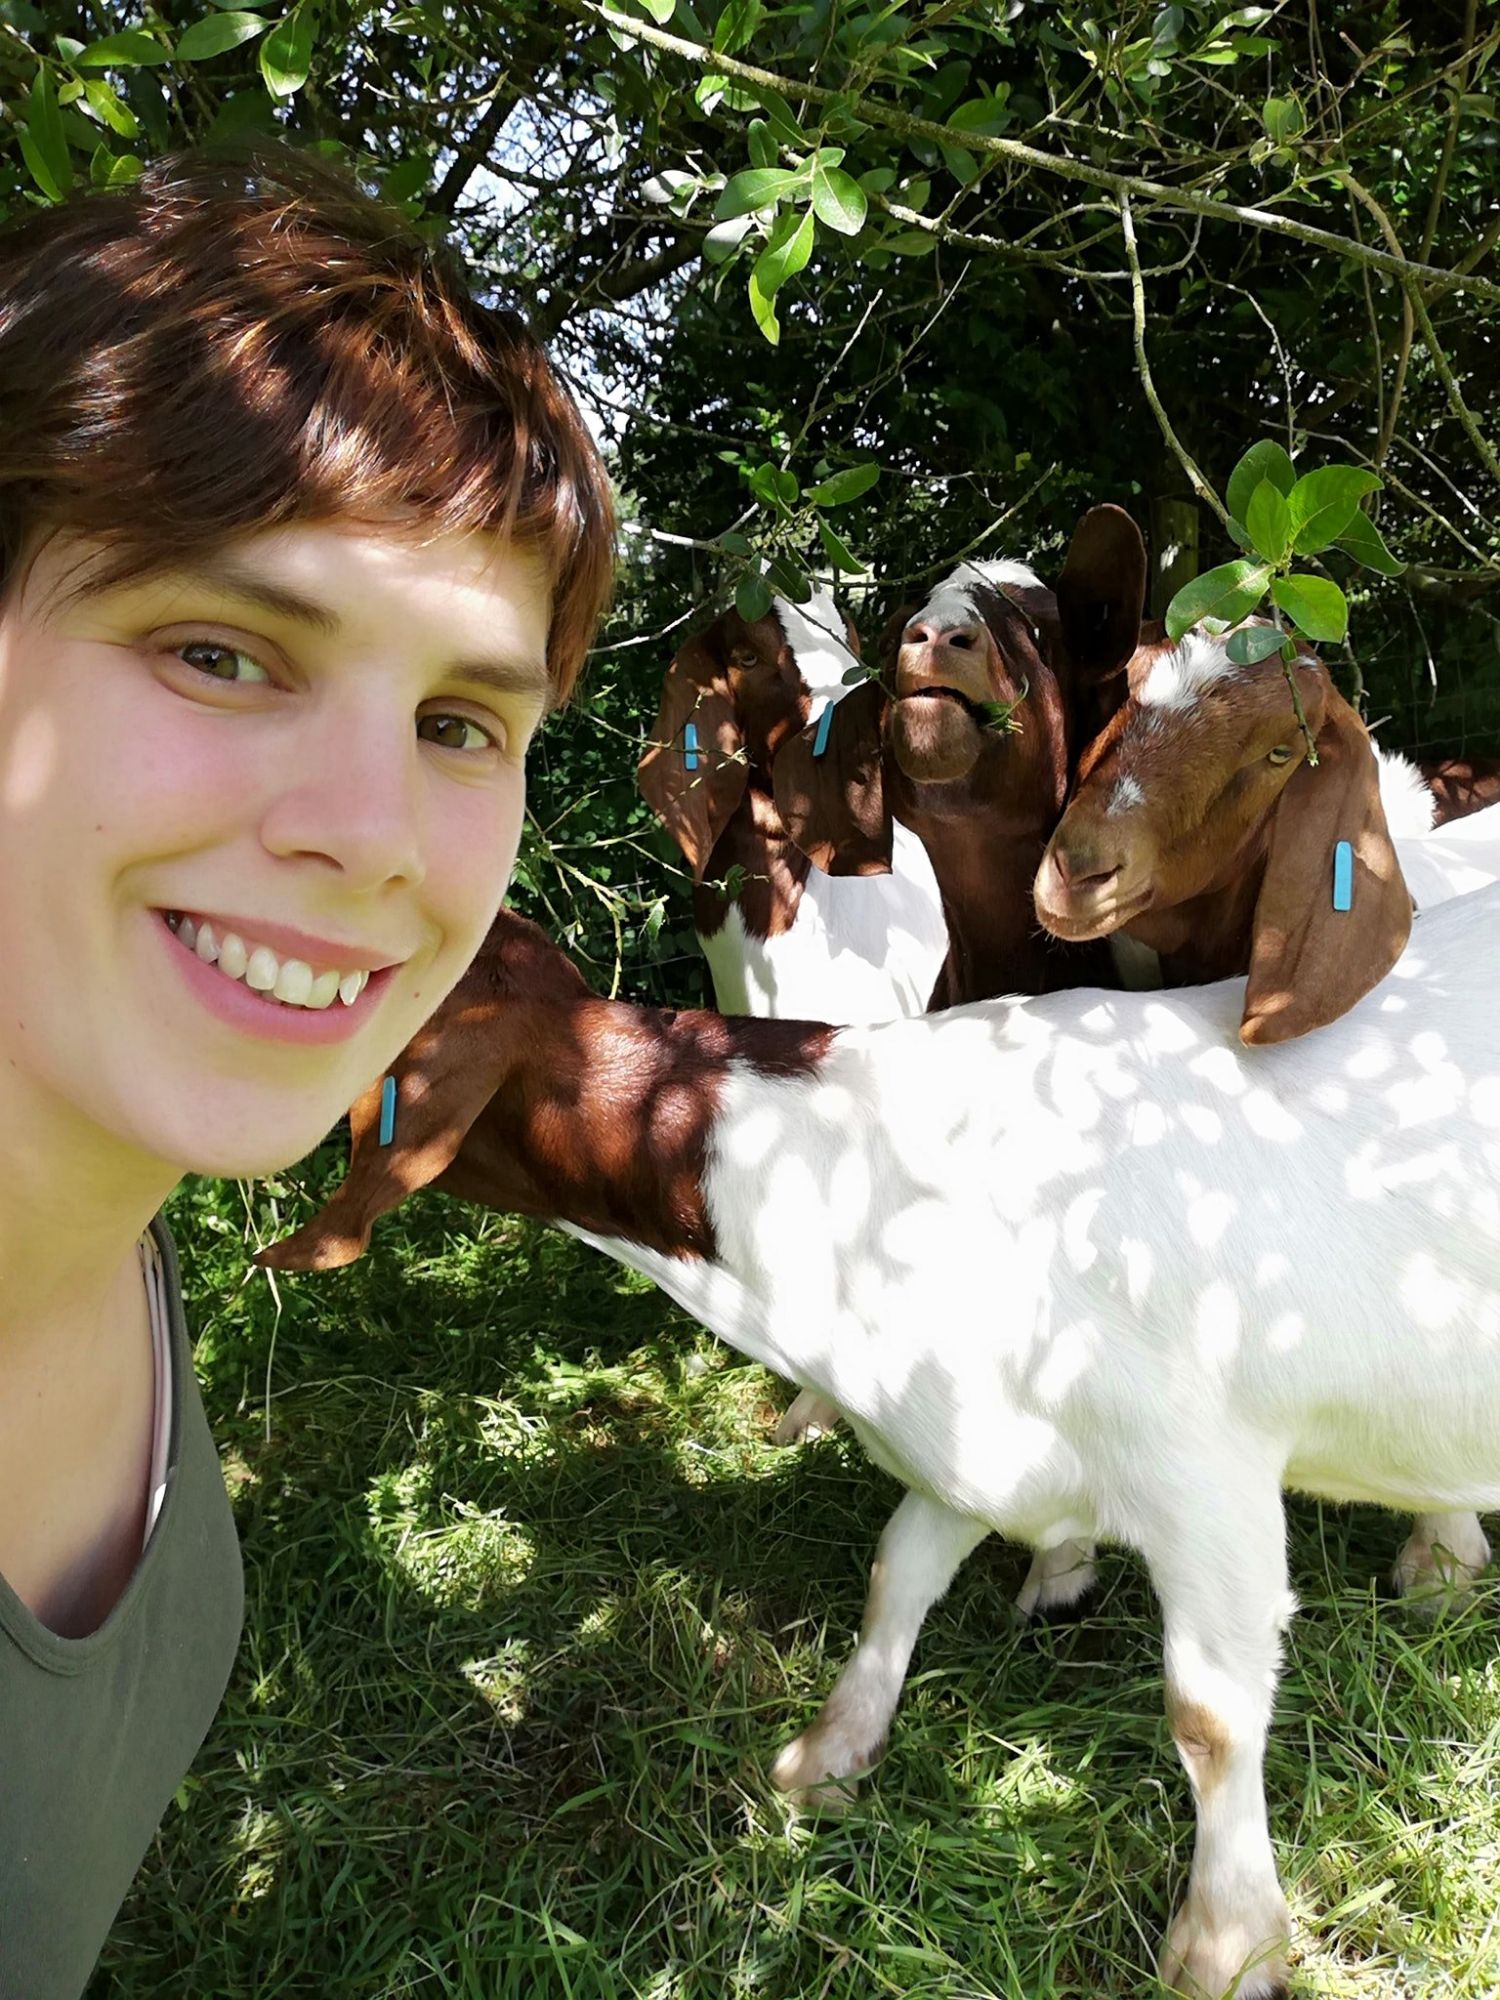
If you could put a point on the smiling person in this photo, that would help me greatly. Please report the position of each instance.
(298, 544)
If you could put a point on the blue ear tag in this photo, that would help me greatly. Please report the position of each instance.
(690, 746)
(387, 1111)
(820, 739)
(1343, 876)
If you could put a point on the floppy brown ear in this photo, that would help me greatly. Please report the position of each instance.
(834, 806)
(695, 805)
(1100, 597)
(1309, 962)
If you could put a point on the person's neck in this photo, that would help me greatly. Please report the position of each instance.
(74, 1202)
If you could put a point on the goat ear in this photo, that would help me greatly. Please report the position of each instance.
(834, 806)
(1100, 597)
(695, 806)
(1309, 963)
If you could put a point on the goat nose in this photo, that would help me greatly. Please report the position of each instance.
(935, 633)
(1079, 869)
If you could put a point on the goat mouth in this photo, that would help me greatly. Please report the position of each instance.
(1084, 918)
(936, 735)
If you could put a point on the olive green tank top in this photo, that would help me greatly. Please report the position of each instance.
(97, 1733)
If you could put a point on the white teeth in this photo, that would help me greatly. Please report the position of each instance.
(261, 971)
(294, 982)
(291, 981)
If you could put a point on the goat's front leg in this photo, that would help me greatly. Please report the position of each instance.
(1220, 1572)
(920, 1551)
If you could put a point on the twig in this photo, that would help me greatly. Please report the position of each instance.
(1143, 368)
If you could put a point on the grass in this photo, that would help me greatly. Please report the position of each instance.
(531, 1603)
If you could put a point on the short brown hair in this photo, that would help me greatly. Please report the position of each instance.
(244, 339)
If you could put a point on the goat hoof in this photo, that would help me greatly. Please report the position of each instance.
(1057, 1579)
(807, 1771)
(1435, 1578)
(810, 1416)
(1204, 1961)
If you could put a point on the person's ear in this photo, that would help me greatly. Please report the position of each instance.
(1310, 961)
(693, 785)
(833, 803)
(1101, 595)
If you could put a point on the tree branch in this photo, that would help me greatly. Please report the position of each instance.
(1143, 368)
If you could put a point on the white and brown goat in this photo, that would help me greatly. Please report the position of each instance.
(920, 749)
(1073, 1265)
(788, 941)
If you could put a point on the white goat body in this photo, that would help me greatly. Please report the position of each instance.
(1082, 1265)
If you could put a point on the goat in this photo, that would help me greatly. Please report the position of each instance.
(1068, 1264)
(790, 942)
(1200, 829)
(917, 750)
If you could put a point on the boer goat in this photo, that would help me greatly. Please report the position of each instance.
(1070, 1266)
(1199, 828)
(790, 942)
(919, 750)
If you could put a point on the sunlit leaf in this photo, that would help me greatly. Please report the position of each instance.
(1316, 607)
(1228, 593)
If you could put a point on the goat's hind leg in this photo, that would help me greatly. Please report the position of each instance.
(1441, 1560)
(920, 1551)
(1220, 1571)
(810, 1415)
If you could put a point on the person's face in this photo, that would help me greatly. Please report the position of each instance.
(314, 747)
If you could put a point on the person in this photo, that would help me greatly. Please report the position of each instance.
(299, 541)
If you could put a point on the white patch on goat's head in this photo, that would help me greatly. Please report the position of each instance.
(956, 599)
(815, 632)
(1178, 676)
(1124, 794)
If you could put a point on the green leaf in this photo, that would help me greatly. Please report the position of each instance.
(752, 597)
(1283, 119)
(1322, 504)
(736, 25)
(786, 254)
(407, 179)
(763, 309)
(762, 144)
(1228, 592)
(134, 49)
(779, 116)
(839, 199)
(791, 579)
(1252, 643)
(1316, 607)
(109, 107)
(878, 180)
(844, 486)
(735, 543)
(286, 53)
(1166, 28)
(1268, 522)
(721, 242)
(1362, 540)
(838, 552)
(757, 187)
(44, 143)
(989, 115)
(661, 11)
(1265, 460)
(217, 32)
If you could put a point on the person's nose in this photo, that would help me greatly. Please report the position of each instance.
(352, 796)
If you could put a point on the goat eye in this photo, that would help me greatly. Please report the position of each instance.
(742, 656)
(1282, 754)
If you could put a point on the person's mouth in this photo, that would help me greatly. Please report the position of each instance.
(272, 968)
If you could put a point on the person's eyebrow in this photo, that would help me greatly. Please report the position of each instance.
(498, 676)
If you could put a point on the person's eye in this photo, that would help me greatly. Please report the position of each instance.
(219, 662)
(459, 732)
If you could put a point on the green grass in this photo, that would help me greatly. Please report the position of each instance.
(532, 1603)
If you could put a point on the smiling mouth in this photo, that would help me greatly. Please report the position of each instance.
(289, 982)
